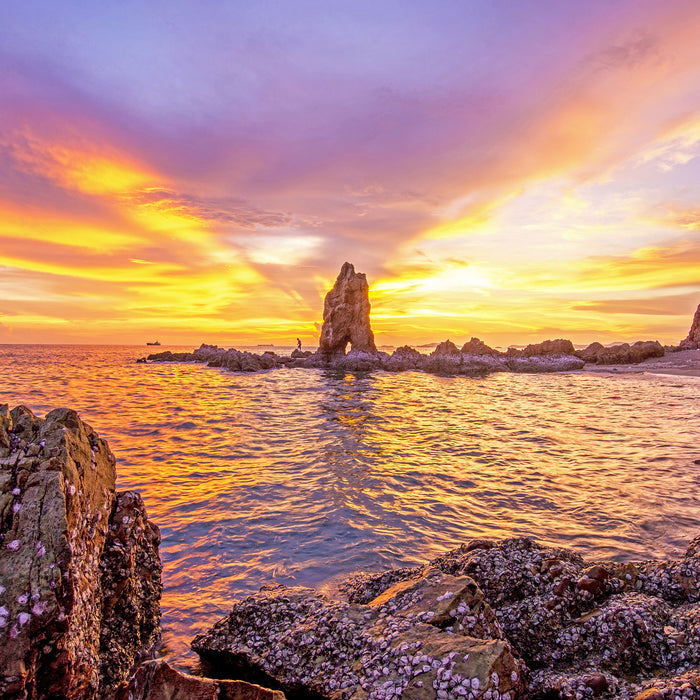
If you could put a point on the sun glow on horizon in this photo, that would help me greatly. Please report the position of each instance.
(551, 192)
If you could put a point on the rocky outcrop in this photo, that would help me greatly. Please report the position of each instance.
(403, 359)
(591, 353)
(232, 359)
(79, 565)
(478, 347)
(692, 342)
(157, 680)
(622, 354)
(131, 589)
(346, 316)
(584, 629)
(446, 349)
(549, 347)
(447, 360)
(490, 619)
(413, 641)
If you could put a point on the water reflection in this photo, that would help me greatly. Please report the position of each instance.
(300, 476)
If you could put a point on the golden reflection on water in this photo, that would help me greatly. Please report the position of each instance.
(301, 476)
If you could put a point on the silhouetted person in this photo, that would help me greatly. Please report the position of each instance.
(299, 344)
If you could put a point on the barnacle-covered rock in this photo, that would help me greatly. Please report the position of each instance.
(585, 629)
(455, 604)
(131, 589)
(57, 496)
(340, 650)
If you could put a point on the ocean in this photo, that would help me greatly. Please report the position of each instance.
(303, 476)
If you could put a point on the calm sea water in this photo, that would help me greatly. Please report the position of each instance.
(302, 476)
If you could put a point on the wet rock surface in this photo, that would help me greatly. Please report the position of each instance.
(157, 680)
(68, 571)
(413, 642)
(584, 629)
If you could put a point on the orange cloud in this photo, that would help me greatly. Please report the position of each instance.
(76, 164)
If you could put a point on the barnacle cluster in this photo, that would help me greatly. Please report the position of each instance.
(570, 629)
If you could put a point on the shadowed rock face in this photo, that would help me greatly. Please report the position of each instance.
(346, 316)
(157, 680)
(693, 339)
(79, 567)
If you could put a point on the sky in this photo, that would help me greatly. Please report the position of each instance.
(195, 171)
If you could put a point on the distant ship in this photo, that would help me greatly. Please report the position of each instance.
(265, 345)
(156, 343)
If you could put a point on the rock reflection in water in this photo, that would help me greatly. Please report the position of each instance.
(302, 476)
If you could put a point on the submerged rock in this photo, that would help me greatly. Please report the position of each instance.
(346, 316)
(79, 566)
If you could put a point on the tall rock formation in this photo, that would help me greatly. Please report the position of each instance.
(693, 339)
(346, 315)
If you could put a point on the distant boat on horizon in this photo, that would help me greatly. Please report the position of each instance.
(265, 345)
(156, 343)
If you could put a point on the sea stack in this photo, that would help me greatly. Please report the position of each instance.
(346, 316)
(693, 340)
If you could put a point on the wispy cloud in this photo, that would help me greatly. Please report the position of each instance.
(491, 171)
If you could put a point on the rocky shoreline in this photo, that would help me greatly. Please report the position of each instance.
(490, 619)
(346, 320)
(80, 574)
(80, 587)
(474, 359)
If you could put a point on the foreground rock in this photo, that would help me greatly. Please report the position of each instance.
(157, 680)
(412, 642)
(490, 619)
(584, 629)
(346, 316)
(79, 568)
(692, 342)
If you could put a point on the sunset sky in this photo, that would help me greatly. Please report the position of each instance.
(199, 171)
